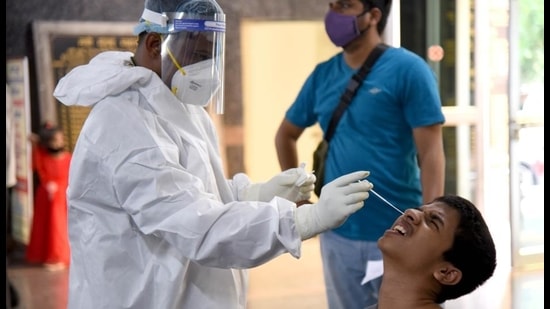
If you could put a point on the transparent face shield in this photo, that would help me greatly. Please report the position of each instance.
(193, 59)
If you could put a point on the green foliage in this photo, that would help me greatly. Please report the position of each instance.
(531, 40)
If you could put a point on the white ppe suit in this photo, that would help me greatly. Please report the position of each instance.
(153, 222)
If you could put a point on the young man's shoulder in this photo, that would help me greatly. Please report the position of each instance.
(403, 54)
(404, 61)
(331, 61)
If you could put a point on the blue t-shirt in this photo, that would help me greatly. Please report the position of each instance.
(375, 132)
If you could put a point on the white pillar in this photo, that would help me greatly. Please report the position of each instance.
(392, 33)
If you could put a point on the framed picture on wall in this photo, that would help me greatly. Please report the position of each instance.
(62, 45)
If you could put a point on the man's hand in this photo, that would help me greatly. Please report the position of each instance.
(294, 184)
(339, 199)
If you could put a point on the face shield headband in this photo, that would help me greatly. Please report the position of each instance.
(192, 55)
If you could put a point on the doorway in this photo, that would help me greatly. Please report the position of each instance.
(527, 132)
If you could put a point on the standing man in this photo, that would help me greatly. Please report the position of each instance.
(393, 128)
(153, 221)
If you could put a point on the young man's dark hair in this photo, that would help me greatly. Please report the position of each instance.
(473, 250)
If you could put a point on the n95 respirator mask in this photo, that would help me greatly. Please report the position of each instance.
(196, 83)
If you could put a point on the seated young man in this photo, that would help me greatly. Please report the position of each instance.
(437, 252)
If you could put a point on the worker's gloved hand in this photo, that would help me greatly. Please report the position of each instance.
(339, 199)
(294, 184)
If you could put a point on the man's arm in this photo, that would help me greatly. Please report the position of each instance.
(285, 143)
(431, 159)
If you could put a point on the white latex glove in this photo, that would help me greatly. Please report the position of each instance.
(294, 184)
(339, 199)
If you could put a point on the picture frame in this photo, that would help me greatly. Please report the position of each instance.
(59, 47)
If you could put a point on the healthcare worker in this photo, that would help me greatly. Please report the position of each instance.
(153, 221)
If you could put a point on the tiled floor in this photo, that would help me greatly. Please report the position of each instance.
(289, 283)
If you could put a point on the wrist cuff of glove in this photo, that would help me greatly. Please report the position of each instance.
(306, 221)
(252, 192)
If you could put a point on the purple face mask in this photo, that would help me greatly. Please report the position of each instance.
(341, 29)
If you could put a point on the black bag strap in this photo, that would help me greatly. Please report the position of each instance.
(352, 87)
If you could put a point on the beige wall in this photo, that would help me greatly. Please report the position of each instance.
(277, 57)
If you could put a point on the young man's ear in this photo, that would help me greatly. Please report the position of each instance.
(448, 274)
(375, 16)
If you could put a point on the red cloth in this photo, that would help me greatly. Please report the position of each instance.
(49, 239)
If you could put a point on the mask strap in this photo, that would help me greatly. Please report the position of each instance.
(363, 13)
(178, 66)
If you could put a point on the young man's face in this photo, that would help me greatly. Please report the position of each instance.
(417, 239)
